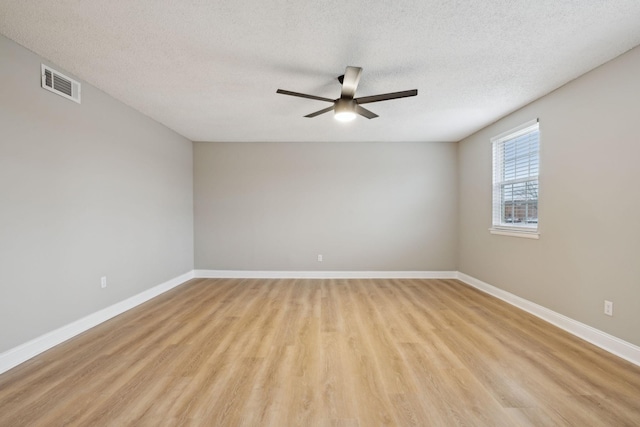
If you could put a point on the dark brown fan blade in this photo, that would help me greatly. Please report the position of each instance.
(365, 113)
(386, 96)
(317, 113)
(350, 82)
(304, 95)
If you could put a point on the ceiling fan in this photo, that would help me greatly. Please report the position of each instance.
(347, 106)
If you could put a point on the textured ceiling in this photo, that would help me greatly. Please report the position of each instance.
(210, 69)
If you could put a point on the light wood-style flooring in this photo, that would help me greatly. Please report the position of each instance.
(364, 353)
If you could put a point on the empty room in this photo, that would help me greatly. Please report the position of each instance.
(413, 213)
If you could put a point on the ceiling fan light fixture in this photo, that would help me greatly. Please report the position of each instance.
(347, 106)
(344, 110)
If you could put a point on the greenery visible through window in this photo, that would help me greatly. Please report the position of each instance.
(516, 161)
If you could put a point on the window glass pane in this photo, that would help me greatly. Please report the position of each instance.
(519, 202)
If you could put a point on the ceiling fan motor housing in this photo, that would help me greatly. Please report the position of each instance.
(345, 106)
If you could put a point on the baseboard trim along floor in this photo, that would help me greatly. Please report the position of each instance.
(245, 274)
(26, 351)
(595, 336)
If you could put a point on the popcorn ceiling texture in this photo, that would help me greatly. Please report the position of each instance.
(209, 69)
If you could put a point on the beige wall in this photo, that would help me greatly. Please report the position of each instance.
(85, 191)
(363, 206)
(589, 247)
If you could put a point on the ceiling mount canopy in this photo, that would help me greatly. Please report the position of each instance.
(347, 106)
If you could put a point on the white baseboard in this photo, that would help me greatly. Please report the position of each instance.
(250, 274)
(26, 351)
(595, 336)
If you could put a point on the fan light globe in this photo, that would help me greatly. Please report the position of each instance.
(345, 116)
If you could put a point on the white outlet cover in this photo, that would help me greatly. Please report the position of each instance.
(608, 308)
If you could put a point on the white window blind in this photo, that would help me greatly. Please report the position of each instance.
(516, 162)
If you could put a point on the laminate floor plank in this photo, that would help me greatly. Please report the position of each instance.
(326, 353)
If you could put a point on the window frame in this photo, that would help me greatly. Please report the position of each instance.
(498, 226)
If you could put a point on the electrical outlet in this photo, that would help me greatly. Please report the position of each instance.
(608, 308)
(103, 282)
(319, 258)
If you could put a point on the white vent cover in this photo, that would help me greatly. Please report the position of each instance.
(57, 82)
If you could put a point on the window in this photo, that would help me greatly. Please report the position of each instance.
(516, 162)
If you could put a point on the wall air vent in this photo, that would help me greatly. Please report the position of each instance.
(57, 82)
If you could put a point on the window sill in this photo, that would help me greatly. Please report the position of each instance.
(527, 234)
